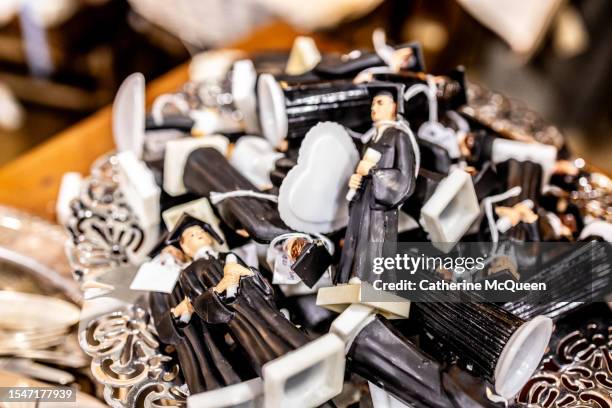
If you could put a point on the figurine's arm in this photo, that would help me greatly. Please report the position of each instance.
(392, 186)
(232, 272)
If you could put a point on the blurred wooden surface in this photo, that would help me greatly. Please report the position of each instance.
(31, 181)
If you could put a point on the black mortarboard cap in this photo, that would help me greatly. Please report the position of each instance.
(174, 237)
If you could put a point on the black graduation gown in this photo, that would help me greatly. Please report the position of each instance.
(373, 211)
(252, 318)
(202, 355)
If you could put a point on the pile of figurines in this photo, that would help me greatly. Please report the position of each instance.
(224, 248)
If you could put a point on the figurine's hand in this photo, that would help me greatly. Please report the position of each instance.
(363, 168)
(363, 77)
(183, 310)
(520, 212)
(355, 181)
(235, 269)
(232, 272)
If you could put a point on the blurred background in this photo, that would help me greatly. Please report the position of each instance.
(61, 60)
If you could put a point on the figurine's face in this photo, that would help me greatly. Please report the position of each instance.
(194, 238)
(383, 108)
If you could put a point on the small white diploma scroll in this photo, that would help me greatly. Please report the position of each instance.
(371, 156)
(158, 275)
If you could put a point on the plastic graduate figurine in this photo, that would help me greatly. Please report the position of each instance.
(385, 178)
(204, 357)
(223, 292)
(229, 296)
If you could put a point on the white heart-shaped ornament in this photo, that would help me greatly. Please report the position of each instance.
(312, 196)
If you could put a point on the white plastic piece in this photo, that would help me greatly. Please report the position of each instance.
(304, 56)
(208, 121)
(523, 28)
(544, 155)
(12, 113)
(272, 112)
(300, 289)
(47, 14)
(244, 81)
(350, 322)
(439, 134)
(176, 155)
(151, 238)
(306, 377)
(382, 399)
(487, 206)
(555, 223)
(521, 356)
(248, 254)
(598, 229)
(451, 210)
(384, 50)
(282, 273)
(138, 186)
(254, 158)
(405, 222)
(177, 101)
(200, 209)
(338, 298)
(129, 115)
(432, 130)
(312, 196)
(247, 394)
(503, 224)
(157, 275)
(70, 188)
(213, 65)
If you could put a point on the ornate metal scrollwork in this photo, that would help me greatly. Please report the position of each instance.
(105, 232)
(577, 375)
(127, 361)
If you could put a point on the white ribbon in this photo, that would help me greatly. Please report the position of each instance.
(216, 197)
(430, 91)
(402, 125)
(488, 202)
(280, 239)
(384, 50)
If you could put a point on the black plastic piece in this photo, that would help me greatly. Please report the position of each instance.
(312, 262)
(208, 171)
